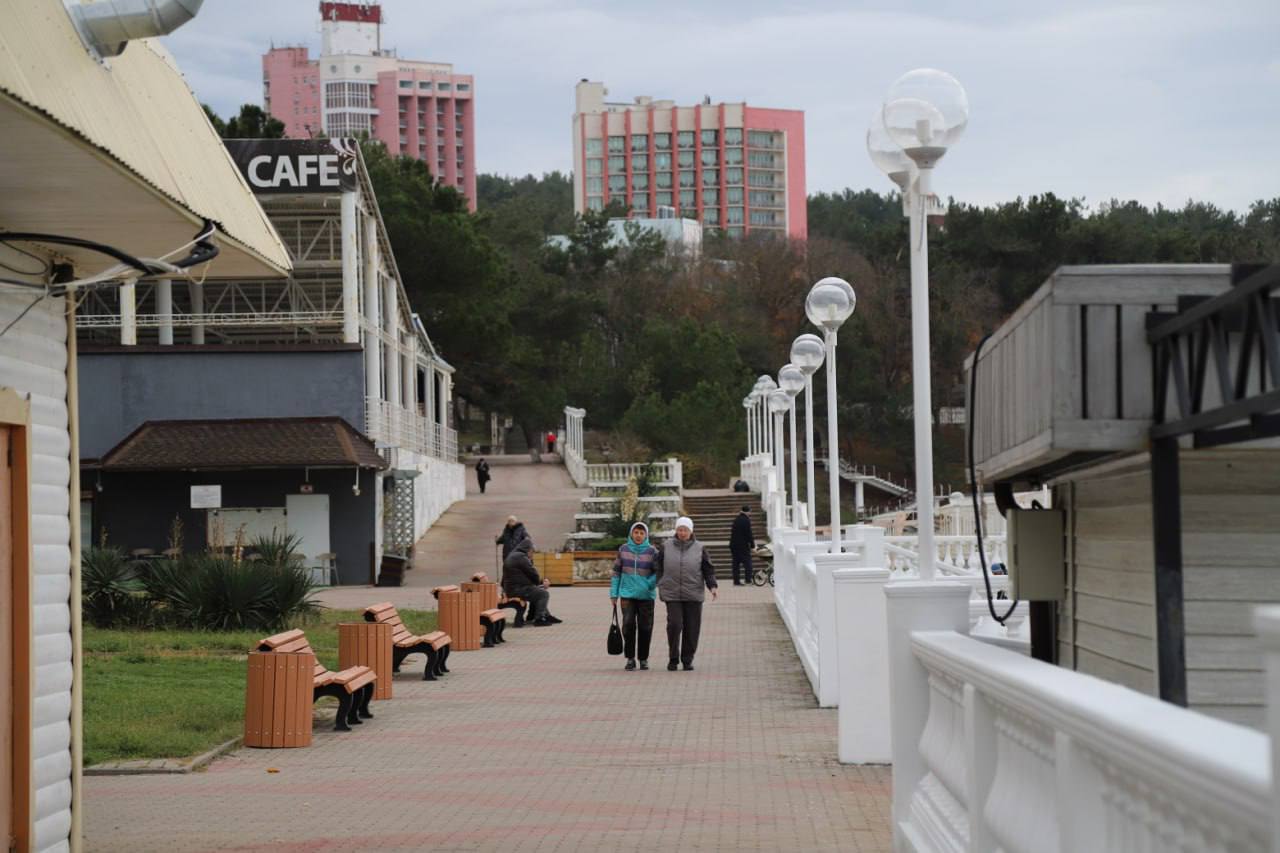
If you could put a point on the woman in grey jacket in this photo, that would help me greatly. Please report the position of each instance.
(683, 569)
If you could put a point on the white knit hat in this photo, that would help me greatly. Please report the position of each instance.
(685, 521)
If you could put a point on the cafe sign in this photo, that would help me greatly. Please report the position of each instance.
(296, 165)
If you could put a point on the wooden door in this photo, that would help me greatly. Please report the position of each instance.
(7, 693)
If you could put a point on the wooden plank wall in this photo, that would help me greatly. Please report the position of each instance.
(1231, 563)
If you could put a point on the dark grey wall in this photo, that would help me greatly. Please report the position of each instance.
(119, 391)
(137, 509)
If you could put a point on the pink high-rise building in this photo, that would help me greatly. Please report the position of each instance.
(731, 166)
(420, 109)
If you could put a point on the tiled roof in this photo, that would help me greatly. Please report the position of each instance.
(235, 444)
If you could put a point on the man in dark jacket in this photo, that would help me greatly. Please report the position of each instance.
(511, 536)
(741, 542)
(520, 580)
(482, 473)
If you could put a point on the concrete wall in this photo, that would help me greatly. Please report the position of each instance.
(137, 509)
(119, 391)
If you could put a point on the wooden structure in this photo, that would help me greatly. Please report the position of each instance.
(352, 687)
(435, 645)
(277, 699)
(1167, 550)
(556, 567)
(459, 616)
(1067, 379)
(367, 644)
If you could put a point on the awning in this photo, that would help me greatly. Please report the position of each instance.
(230, 445)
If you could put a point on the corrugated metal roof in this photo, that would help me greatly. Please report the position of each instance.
(137, 109)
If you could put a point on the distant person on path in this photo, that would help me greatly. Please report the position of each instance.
(482, 473)
(551, 442)
(511, 536)
(635, 581)
(683, 569)
(520, 580)
(741, 543)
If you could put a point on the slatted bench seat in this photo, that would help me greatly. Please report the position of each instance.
(434, 645)
(352, 687)
(494, 621)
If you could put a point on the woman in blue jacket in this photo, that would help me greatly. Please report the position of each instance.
(635, 581)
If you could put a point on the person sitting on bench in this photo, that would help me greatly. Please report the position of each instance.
(520, 580)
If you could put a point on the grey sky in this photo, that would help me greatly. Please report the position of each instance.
(1155, 101)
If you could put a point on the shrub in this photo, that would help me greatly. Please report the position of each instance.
(218, 593)
(110, 589)
(278, 549)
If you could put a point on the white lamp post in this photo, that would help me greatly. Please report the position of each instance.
(807, 353)
(924, 113)
(791, 380)
(747, 404)
(779, 402)
(764, 385)
(830, 302)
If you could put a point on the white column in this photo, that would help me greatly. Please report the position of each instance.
(372, 311)
(408, 385)
(1266, 623)
(858, 496)
(350, 270)
(915, 606)
(749, 435)
(862, 661)
(808, 453)
(833, 443)
(129, 313)
(920, 379)
(795, 467)
(391, 329)
(197, 310)
(164, 307)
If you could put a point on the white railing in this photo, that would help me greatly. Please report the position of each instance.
(576, 466)
(670, 471)
(993, 750)
(956, 555)
(752, 472)
(393, 426)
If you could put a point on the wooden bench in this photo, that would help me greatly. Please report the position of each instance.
(492, 617)
(517, 605)
(434, 645)
(352, 687)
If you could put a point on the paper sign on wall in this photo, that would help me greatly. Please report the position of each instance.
(206, 497)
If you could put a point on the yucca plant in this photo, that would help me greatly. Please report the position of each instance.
(110, 589)
(278, 549)
(218, 593)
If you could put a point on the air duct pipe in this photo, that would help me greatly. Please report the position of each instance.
(107, 26)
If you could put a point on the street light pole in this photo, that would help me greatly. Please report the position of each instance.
(791, 380)
(808, 353)
(830, 302)
(921, 380)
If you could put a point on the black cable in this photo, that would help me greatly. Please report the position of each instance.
(203, 251)
(973, 485)
(44, 265)
(60, 240)
(24, 313)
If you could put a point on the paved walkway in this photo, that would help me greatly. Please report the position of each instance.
(460, 543)
(541, 744)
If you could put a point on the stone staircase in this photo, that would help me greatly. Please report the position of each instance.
(713, 512)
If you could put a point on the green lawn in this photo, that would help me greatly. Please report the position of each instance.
(172, 694)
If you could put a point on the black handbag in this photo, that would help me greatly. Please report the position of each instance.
(615, 634)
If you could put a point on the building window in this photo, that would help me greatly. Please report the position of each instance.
(763, 179)
(710, 137)
(733, 156)
(664, 199)
(711, 216)
(639, 142)
(595, 202)
(663, 180)
(424, 84)
(765, 199)
(406, 84)
(763, 160)
(617, 144)
(685, 139)
(640, 201)
(662, 141)
(639, 182)
(594, 167)
(710, 177)
(595, 186)
(764, 139)
(595, 147)
(685, 159)
(688, 179)
(710, 156)
(733, 176)
(617, 183)
(733, 195)
(710, 198)
(733, 136)
(344, 95)
(464, 87)
(734, 216)
(444, 87)
(765, 218)
(639, 162)
(617, 163)
(661, 161)
(688, 199)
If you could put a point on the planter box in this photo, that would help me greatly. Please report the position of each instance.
(593, 568)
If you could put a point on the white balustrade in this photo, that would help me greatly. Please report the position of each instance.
(391, 425)
(993, 750)
(668, 472)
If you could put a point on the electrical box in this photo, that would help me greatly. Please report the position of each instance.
(1036, 556)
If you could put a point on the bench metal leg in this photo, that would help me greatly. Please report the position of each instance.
(363, 705)
(441, 669)
(340, 724)
(433, 664)
(490, 629)
(500, 629)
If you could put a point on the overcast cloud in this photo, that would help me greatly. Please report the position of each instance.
(1160, 101)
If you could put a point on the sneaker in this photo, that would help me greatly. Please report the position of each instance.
(553, 620)
(631, 664)
(540, 623)
(671, 666)
(644, 664)
(688, 667)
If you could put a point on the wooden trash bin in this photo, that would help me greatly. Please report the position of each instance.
(277, 699)
(487, 591)
(459, 617)
(367, 644)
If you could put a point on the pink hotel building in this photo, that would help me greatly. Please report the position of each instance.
(731, 166)
(420, 109)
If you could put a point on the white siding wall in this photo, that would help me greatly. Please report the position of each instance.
(33, 359)
(437, 488)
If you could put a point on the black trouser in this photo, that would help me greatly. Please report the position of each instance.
(637, 618)
(536, 597)
(744, 560)
(684, 624)
(483, 483)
